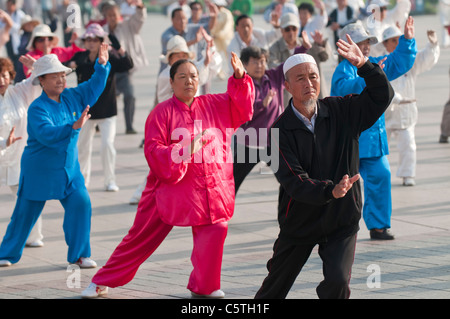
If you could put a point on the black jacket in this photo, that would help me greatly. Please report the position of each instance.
(106, 105)
(310, 164)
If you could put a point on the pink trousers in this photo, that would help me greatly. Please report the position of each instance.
(147, 233)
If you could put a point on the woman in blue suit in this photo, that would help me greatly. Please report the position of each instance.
(49, 165)
(373, 144)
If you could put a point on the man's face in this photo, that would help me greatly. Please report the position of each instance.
(245, 28)
(112, 16)
(364, 46)
(179, 21)
(304, 16)
(289, 34)
(197, 12)
(391, 44)
(303, 82)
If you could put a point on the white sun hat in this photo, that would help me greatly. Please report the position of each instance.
(297, 59)
(41, 30)
(289, 19)
(177, 44)
(391, 32)
(48, 64)
(357, 32)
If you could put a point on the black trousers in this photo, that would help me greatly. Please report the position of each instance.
(244, 163)
(288, 260)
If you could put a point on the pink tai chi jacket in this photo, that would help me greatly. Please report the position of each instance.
(197, 189)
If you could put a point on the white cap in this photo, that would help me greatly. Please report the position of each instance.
(42, 30)
(48, 64)
(177, 44)
(357, 32)
(391, 32)
(289, 19)
(297, 59)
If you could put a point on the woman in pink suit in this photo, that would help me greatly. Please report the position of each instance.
(187, 147)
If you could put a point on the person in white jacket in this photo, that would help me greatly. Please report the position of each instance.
(401, 116)
(127, 33)
(14, 103)
(444, 16)
(382, 18)
(246, 35)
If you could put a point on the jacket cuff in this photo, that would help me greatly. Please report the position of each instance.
(366, 68)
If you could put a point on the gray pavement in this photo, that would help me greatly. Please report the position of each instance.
(416, 265)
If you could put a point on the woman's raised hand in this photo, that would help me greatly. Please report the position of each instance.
(103, 55)
(237, 65)
(83, 119)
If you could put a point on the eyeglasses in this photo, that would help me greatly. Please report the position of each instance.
(289, 29)
(42, 39)
(92, 40)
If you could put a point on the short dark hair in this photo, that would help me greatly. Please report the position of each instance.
(194, 3)
(7, 65)
(242, 16)
(306, 6)
(253, 52)
(175, 11)
(176, 65)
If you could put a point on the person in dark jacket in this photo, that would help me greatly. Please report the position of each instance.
(320, 195)
(104, 112)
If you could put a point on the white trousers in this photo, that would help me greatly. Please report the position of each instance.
(406, 145)
(107, 128)
(36, 231)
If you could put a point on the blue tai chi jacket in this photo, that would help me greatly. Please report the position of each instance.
(49, 164)
(345, 80)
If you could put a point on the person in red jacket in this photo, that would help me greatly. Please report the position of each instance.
(187, 147)
(43, 41)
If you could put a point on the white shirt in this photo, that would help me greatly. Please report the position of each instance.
(260, 38)
(13, 112)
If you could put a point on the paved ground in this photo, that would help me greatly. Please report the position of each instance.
(415, 265)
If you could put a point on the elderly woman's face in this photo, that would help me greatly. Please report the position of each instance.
(43, 44)
(5, 80)
(185, 82)
(256, 67)
(92, 44)
(53, 83)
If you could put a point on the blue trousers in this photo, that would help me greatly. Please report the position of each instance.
(377, 210)
(76, 226)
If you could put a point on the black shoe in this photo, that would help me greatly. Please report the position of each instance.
(130, 131)
(443, 139)
(383, 235)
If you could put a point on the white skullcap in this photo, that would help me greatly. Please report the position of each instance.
(297, 59)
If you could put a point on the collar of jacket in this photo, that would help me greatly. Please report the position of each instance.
(294, 123)
(183, 106)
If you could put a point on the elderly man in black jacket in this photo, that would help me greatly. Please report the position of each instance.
(320, 194)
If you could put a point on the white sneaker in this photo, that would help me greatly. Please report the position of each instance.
(216, 294)
(94, 291)
(86, 262)
(35, 244)
(5, 263)
(408, 181)
(134, 200)
(112, 187)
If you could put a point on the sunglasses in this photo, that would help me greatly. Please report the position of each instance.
(289, 29)
(42, 39)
